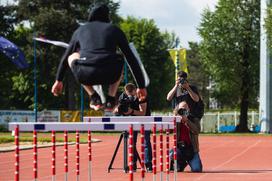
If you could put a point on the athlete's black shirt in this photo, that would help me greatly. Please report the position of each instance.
(97, 43)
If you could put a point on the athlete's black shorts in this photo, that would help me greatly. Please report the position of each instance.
(98, 74)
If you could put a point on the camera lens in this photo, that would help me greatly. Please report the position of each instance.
(183, 112)
(182, 81)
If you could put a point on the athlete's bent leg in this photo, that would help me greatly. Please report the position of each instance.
(73, 57)
(89, 89)
(95, 100)
(113, 88)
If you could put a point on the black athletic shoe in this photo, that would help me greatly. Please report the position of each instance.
(95, 102)
(171, 166)
(148, 167)
(180, 169)
(134, 167)
(110, 103)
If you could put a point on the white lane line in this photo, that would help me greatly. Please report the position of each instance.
(231, 159)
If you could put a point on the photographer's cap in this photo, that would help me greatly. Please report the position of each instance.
(182, 74)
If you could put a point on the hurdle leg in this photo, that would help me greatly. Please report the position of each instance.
(17, 152)
(35, 155)
(53, 156)
(161, 153)
(131, 152)
(167, 154)
(154, 153)
(90, 155)
(175, 149)
(66, 155)
(77, 155)
(142, 152)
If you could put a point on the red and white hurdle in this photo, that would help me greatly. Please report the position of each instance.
(142, 152)
(66, 154)
(99, 126)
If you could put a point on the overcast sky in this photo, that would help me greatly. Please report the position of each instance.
(180, 16)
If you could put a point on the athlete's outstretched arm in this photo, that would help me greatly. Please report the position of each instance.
(73, 45)
(131, 59)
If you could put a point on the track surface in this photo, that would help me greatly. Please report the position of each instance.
(224, 158)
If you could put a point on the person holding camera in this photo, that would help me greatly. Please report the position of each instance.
(183, 91)
(187, 145)
(131, 105)
(186, 96)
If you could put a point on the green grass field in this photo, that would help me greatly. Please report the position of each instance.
(6, 137)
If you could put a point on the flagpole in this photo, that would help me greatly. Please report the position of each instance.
(81, 103)
(35, 81)
(177, 65)
(125, 73)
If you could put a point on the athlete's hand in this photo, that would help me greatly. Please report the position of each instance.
(141, 93)
(57, 88)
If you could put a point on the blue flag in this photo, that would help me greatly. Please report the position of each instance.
(13, 53)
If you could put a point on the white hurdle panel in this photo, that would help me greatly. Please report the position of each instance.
(97, 124)
(93, 126)
(132, 119)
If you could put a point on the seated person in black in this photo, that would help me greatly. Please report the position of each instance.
(131, 105)
(97, 61)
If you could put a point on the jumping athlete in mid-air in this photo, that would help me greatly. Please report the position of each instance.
(93, 58)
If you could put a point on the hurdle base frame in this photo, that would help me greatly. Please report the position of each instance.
(123, 135)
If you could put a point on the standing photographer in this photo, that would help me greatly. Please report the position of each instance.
(130, 105)
(183, 91)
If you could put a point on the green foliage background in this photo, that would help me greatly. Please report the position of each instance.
(57, 20)
(230, 53)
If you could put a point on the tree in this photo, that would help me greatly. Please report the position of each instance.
(230, 52)
(57, 20)
(197, 74)
(8, 71)
(7, 19)
(152, 46)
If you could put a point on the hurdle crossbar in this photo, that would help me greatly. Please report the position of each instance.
(96, 124)
(102, 126)
(141, 119)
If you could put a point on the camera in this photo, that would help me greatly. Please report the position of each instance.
(124, 103)
(182, 81)
(183, 112)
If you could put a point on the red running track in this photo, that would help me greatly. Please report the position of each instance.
(224, 158)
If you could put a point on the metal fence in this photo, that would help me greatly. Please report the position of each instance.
(217, 122)
(227, 121)
(211, 122)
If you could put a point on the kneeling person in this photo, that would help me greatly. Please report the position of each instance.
(188, 145)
